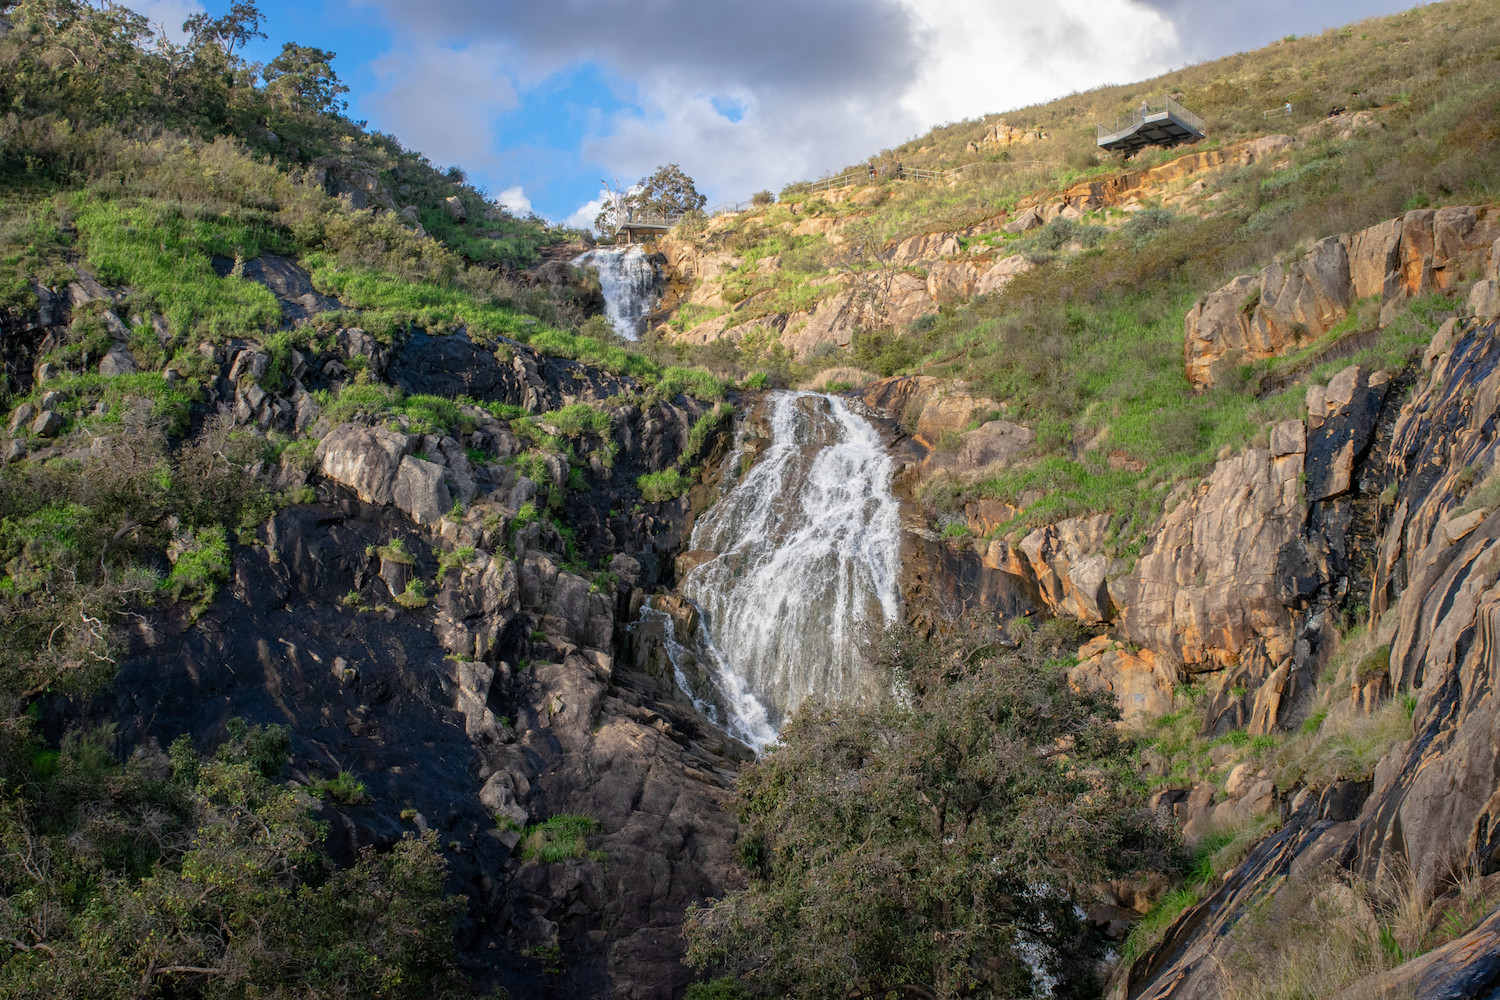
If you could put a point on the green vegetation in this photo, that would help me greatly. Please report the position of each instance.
(161, 875)
(673, 482)
(562, 838)
(200, 565)
(1086, 348)
(79, 542)
(414, 597)
(905, 843)
(668, 484)
(343, 788)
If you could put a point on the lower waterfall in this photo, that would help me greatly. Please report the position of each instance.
(631, 283)
(806, 556)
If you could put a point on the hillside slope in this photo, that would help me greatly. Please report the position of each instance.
(329, 506)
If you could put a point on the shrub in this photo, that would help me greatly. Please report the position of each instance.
(343, 788)
(937, 840)
(201, 565)
(668, 484)
(725, 988)
(703, 427)
(690, 381)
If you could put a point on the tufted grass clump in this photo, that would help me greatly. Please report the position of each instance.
(561, 838)
(668, 484)
(343, 788)
(202, 565)
(414, 597)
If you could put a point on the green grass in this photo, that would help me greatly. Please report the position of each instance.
(414, 597)
(201, 567)
(164, 255)
(33, 247)
(561, 838)
(388, 304)
(578, 419)
(82, 392)
(703, 427)
(343, 788)
(1148, 930)
(668, 484)
(695, 382)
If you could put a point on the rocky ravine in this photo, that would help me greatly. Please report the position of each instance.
(514, 693)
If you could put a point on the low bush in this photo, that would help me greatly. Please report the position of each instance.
(936, 840)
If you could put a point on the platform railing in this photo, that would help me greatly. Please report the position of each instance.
(1166, 105)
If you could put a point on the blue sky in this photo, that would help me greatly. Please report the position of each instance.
(541, 100)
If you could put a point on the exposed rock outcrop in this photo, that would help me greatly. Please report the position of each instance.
(1431, 809)
(1288, 306)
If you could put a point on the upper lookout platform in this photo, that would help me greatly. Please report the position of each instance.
(1154, 123)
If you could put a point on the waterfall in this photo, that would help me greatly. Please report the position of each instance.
(632, 285)
(805, 554)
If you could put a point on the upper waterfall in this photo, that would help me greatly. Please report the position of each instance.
(631, 283)
(806, 554)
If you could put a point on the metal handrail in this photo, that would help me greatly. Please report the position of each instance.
(1148, 108)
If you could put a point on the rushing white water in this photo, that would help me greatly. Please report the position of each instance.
(632, 285)
(806, 554)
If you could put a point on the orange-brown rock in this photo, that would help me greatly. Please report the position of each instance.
(1141, 689)
(1208, 583)
(1068, 565)
(927, 247)
(1000, 274)
(1005, 135)
(928, 407)
(1287, 306)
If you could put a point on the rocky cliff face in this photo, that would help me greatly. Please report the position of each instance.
(418, 625)
(1429, 813)
(1288, 306)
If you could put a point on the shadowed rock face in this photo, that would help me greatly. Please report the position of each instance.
(514, 694)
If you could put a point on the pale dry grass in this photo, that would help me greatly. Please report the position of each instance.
(1312, 938)
(842, 377)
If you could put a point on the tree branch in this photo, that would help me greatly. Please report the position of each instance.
(22, 946)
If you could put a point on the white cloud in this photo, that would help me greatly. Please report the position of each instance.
(514, 200)
(850, 78)
(583, 216)
(976, 57)
(166, 16)
(984, 57)
(443, 101)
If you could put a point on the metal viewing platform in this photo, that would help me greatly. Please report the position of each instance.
(638, 226)
(1154, 123)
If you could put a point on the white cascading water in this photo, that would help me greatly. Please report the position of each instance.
(807, 553)
(631, 283)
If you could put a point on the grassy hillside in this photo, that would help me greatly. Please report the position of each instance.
(1086, 348)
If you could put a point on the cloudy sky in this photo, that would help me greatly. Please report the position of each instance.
(541, 100)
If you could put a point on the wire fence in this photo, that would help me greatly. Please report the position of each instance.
(876, 175)
(660, 220)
